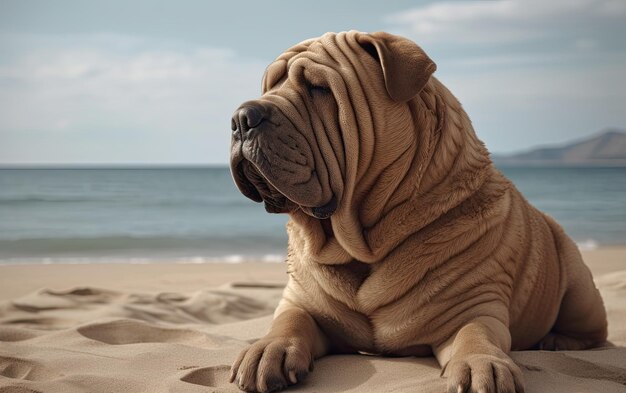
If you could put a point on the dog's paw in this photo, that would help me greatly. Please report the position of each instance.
(271, 364)
(484, 374)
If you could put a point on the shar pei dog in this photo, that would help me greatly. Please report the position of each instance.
(404, 239)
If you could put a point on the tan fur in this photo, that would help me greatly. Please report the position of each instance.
(431, 248)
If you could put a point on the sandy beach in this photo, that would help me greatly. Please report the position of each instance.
(177, 328)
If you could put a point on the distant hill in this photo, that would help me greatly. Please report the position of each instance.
(606, 148)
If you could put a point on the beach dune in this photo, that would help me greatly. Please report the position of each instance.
(177, 328)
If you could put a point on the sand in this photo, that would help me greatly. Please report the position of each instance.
(177, 328)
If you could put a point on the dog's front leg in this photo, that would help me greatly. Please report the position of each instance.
(284, 356)
(475, 359)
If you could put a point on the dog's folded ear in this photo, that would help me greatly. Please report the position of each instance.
(406, 68)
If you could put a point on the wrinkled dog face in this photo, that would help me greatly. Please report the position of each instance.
(276, 151)
(289, 146)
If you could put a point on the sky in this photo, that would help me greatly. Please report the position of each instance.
(156, 82)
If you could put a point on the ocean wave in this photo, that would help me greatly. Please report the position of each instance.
(234, 258)
(128, 201)
(192, 260)
(268, 247)
(135, 250)
(258, 245)
(47, 199)
(588, 245)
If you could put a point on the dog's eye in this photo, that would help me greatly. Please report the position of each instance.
(317, 89)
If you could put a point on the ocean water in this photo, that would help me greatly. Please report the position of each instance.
(197, 214)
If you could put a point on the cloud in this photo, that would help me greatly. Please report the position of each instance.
(159, 101)
(528, 72)
(509, 21)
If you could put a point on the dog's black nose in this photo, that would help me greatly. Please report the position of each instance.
(246, 117)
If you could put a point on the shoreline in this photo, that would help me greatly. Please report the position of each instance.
(132, 260)
(589, 246)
